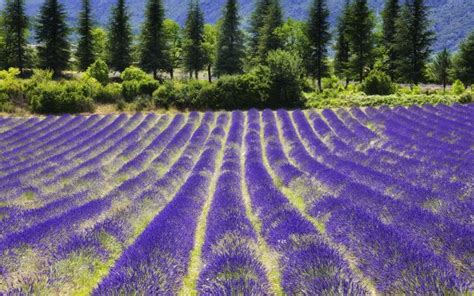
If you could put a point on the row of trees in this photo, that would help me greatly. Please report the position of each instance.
(401, 47)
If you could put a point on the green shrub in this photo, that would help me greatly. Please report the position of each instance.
(286, 75)
(62, 97)
(182, 95)
(378, 83)
(109, 94)
(137, 83)
(466, 98)
(458, 87)
(166, 94)
(100, 71)
(134, 73)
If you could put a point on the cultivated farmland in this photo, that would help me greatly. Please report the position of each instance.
(347, 201)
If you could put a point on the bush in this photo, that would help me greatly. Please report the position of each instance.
(316, 100)
(466, 98)
(378, 83)
(286, 75)
(137, 83)
(99, 71)
(458, 88)
(182, 95)
(109, 94)
(134, 73)
(62, 97)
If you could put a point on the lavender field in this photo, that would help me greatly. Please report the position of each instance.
(333, 202)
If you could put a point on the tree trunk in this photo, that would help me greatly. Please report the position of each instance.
(172, 73)
(209, 73)
(320, 85)
(196, 75)
(155, 74)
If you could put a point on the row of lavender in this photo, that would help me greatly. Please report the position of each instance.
(386, 201)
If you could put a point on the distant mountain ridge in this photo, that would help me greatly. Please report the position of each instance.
(452, 19)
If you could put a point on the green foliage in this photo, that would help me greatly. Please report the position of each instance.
(342, 46)
(99, 71)
(466, 98)
(15, 32)
(99, 43)
(52, 36)
(378, 83)
(441, 67)
(54, 97)
(85, 48)
(109, 94)
(413, 41)
(286, 73)
(256, 24)
(134, 73)
(230, 48)
(152, 46)
(329, 99)
(120, 38)
(294, 37)
(457, 88)
(269, 39)
(11, 90)
(390, 15)
(137, 83)
(360, 26)
(181, 95)
(464, 61)
(319, 37)
(194, 55)
(209, 46)
(173, 45)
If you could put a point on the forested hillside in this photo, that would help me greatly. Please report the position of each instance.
(452, 19)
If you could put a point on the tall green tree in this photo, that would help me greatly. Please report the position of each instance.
(85, 47)
(194, 55)
(120, 38)
(360, 26)
(441, 67)
(390, 15)
(413, 41)
(174, 46)
(152, 47)
(257, 22)
(230, 50)
(341, 48)
(15, 28)
(99, 43)
(210, 48)
(464, 61)
(52, 36)
(319, 37)
(269, 39)
(2, 43)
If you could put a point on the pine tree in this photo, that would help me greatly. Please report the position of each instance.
(269, 40)
(256, 24)
(120, 38)
(441, 67)
(152, 49)
(413, 41)
(464, 61)
(230, 50)
(319, 37)
(194, 56)
(341, 48)
(15, 29)
(390, 15)
(85, 48)
(360, 27)
(52, 37)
